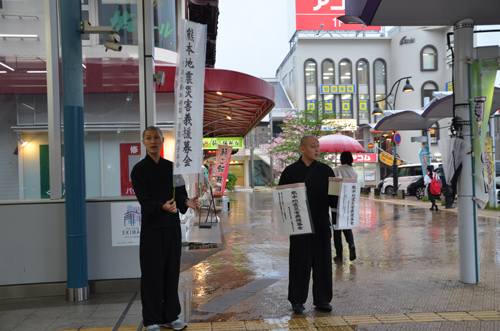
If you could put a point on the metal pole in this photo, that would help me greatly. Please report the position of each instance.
(74, 160)
(252, 180)
(394, 172)
(467, 220)
(147, 94)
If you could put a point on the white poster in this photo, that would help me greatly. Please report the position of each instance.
(126, 222)
(369, 176)
(292, 209)
(347, 208)
(189, 94)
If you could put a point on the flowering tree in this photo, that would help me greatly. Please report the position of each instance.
(285, 149)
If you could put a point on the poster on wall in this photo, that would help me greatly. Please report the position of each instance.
(369, 176)
(126, 222)
(130, 154)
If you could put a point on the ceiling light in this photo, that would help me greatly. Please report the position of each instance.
(6, 66)
(219, 93)
(36, 71)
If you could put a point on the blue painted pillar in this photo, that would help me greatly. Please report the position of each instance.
(74, 160)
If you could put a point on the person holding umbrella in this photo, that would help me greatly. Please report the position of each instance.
(345, 170)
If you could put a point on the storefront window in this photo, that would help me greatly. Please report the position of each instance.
(379, 74)
(428, 88)
(122, 16)
(310, 73)
(363, 89)
(328, 78)
(345, 71)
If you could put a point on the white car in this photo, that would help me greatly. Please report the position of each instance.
(407, 173)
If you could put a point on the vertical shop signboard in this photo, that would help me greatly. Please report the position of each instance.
(189, 92)
(483, 75)
(130, 154)
(424, 158)
(222, 168)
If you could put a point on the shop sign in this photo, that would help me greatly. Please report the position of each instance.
(405, 40)
(222, 168)
(340, 124)
(323, 15)
(387, 159)
(213, 143)
(364, 157)
(130, 154)
(338, 89)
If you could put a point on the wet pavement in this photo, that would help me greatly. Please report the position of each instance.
(405, 277)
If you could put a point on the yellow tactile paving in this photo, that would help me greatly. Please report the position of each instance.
(261, 325)
(199, 326)
(335, 328)
(394, 318)
(457, 316)
(361, 319)
(321, 322)
(291, 323)
(426, 317)
(486, 315)
(228, 326)
(128, 328)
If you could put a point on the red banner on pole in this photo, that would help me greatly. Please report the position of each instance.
(130, 154)
(222, 168)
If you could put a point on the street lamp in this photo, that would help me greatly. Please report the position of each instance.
(377, 111)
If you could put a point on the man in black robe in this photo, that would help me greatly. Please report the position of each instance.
(160, 242)
(311, 251)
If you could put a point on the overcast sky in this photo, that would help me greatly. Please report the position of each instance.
(252, 36)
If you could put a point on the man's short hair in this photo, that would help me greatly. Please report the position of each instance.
(152, 128)
(304, 139)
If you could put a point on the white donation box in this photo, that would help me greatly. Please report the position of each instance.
(292, 209)
(347, 189)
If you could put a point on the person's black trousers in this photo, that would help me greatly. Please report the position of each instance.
(160, 257)
(311, 251)
(449, 201)
(337, 240)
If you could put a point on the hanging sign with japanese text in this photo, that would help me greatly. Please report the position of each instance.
(221, 168)
(483, 75)
(292, 209)
(340, 124)
(212, 143)
(130, 154)
(189, 93)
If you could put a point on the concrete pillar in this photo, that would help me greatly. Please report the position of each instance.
(467, 218)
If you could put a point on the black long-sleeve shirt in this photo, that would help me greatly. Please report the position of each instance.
(316, 186)
(153, 185)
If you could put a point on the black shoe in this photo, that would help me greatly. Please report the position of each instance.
(298, 308)
(323, 306)
(337, 259)
(437, 208)
(352, 253)
(432, 208)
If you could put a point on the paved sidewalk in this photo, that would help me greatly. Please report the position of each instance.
(405, 278)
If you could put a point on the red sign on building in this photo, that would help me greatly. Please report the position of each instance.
(310, 14)
(364, 157)
(130, 154)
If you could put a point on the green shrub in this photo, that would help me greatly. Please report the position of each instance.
(231, 181)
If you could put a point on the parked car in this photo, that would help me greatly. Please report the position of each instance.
(406, 174)
(417, 186)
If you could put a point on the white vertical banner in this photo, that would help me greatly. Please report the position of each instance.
(348, 207)
(189, 94)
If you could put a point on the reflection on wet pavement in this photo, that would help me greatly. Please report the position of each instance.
(407, 263)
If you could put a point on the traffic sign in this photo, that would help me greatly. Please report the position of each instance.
(370, 145)
(397, 138)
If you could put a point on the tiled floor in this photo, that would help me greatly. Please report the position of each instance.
(406, 277)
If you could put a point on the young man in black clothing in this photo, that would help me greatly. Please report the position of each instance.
(311, 251)
(160, 242)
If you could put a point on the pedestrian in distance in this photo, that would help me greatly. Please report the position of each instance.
(345, 170)
(428, 178)
(160, 240)
(311, 252)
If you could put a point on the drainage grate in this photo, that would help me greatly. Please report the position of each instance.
(202, 246)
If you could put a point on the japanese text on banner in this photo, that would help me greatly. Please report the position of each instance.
(222, 168)
(189, 93)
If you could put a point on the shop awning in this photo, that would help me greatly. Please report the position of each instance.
(246, 99)
(440, 107)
